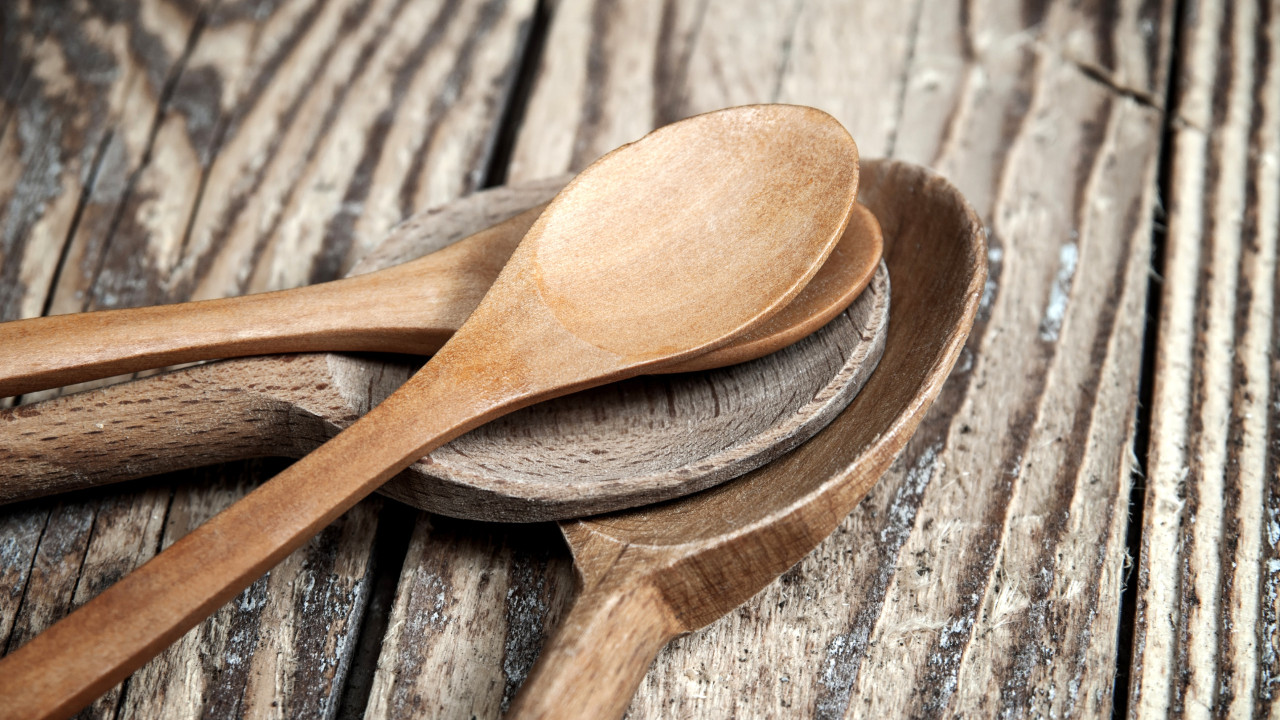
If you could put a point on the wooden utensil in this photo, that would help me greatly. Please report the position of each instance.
(643, 440)
(288, 406)
(610, 281)
(652, 573)
(412, 307)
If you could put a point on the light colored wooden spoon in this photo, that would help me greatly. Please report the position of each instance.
(652, 573)
(411, 307)
(288, 406)
(664, 249)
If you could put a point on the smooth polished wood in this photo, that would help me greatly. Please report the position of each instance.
(410, 308)
(557, 320)
(651, 573)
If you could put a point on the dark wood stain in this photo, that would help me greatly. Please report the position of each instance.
(242, 620)
(1188, 599)
(845, 652)
(1105, 14)
(1269, 559)
(937, 683)
(1152, 11)
(427, 613)
(458, 77)
(1033, 12)
(245, 105)
(114, 273)
(55, 570)
(328, 263)
(592, 113)
(1268, 628)
(671, 64)
(326, 611)
(1241, 393)
(1041, 617)
(538, 565)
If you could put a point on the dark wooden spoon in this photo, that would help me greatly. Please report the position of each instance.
(652, 573)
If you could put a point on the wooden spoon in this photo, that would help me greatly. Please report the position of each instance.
(629, 443)
(664, 249)
(288, 406)
(412, 307)
(650, 574)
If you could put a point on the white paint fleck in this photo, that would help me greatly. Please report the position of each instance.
(1055, 312)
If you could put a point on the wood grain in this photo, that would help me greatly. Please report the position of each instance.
(1206, 630)
(266, 114)
(983, 574)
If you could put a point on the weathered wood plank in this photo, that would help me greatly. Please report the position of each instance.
(983, 574)
(287, 140)
(1206, 622)
(75, 74)
(79, 73)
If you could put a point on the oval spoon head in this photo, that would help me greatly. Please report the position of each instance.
(846, 273)
(675, 245)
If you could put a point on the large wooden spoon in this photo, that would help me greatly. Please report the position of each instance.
(650, 574)
(662, 250)
(412, 307)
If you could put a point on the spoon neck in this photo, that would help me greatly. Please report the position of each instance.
(592, 665)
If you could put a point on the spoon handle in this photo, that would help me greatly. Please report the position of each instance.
(212, 413)
(60, 350)
(594, 661)
(101, 643)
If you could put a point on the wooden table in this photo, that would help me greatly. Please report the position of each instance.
(1087, 523)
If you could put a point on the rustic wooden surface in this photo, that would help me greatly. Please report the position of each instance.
(1207, 617)
(575, 307)
(166, 151)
